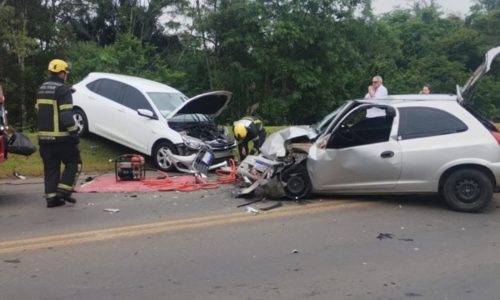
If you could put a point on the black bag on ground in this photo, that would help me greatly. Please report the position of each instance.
(20, 144)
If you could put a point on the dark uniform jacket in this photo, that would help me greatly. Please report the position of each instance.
(54, 105)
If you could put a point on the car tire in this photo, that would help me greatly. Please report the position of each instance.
(160, 158)
(81, 121)
(297, 183)
(468, 190)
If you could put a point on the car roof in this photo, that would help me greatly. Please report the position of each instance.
(410, 98)
(143, 84)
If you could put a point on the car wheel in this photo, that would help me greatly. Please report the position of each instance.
(297, 182)
(468, 190)
(160, 157)
(81, 121)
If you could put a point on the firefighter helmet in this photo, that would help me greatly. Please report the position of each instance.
(58, 65)
(240, 132)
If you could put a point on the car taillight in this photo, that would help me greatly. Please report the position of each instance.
(496, 135)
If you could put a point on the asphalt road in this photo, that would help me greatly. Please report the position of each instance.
(200, 245)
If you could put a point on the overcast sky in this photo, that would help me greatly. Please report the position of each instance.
(457, 7)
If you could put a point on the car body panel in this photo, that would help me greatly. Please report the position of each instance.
(346, 169)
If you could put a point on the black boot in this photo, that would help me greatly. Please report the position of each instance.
(54, 202)
(67, 198)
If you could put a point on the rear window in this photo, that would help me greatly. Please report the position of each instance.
(419, 122)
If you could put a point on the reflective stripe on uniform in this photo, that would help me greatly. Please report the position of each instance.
(65, 106)
(65, 187)
(50, 133)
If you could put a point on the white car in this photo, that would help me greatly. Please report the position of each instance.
(151, 117)
(398, 144)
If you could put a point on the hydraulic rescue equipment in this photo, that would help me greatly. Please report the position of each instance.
(129, 167)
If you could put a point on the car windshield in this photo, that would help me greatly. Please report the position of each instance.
(323, 124)
(167, 102)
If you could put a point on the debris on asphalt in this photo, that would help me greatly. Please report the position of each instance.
(112, 210)
(252, 210)
(18, 176)
(248, 203)
(272, 206)
(406, 240)
(12, 261)
(382, 236)
(295, 251)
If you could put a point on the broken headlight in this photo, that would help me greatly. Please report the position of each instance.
(192, 142)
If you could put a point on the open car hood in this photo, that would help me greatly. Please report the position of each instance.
(275, 145)
(211, 104)
(465, 91)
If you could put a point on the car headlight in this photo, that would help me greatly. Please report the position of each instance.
(192, 142)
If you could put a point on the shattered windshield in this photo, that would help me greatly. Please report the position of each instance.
(167, 102)
(322, 125)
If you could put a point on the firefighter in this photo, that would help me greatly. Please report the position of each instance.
(58, 135)
(249, 129)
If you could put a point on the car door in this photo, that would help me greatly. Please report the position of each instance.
(361, 154)
(135, 130)
(102, 107)
(430, 139)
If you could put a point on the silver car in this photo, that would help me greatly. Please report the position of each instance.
(402, 144)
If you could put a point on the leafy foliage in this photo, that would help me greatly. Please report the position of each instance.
(287, 61)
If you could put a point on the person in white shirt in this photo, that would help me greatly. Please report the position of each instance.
(376, 89)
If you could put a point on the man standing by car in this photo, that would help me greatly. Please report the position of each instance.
(58, 135)
(249, 129)
(376, 89)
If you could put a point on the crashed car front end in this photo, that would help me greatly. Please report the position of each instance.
(280, 170)
(195, 134)
(285, 153)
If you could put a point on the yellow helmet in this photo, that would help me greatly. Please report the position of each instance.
(58, 65)
(240, 132)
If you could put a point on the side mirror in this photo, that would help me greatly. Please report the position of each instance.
(146, 113)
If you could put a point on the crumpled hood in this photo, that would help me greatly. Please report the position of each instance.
(275, 145)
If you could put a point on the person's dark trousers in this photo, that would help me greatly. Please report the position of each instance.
(53, 155)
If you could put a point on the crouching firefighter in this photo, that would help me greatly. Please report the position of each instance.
(249, 129)
(58, 135)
